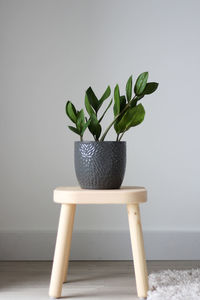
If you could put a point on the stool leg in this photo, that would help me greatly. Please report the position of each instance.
(69, 237)
(138, 250)
(62, 244)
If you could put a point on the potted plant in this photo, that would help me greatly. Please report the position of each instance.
(100, 164)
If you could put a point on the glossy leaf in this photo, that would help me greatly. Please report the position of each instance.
(85, 127)
(122, 106)
(137, 116)
(133, 117)
(150, 88)
(141, 83)
(80, 120)
(116, 107)
(129, 89)
(74, 129)
(135, 100)
(88, 106)
(104, 97)
(92, 98)
(122, 102)
(94, 127)
(71, 112)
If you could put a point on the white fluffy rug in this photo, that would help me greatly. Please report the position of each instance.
(175, 285)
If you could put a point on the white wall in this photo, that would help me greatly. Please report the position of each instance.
(51, 51)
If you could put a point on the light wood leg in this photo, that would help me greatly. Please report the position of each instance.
(62, 244)
(69, 237)
(138, 250)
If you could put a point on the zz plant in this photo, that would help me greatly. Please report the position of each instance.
(127, 112)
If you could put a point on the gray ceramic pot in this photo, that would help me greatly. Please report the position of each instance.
(100, 165)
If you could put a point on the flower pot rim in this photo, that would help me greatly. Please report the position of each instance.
(100, 142)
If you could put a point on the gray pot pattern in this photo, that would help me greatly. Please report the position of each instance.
(100, 165)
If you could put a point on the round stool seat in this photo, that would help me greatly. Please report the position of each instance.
(76, 195)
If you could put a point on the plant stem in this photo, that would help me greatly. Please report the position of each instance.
(121, 136)
(108, 128)
(123, 111)
(117, 137)
(81, 138)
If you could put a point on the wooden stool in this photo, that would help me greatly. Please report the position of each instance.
(68, 197)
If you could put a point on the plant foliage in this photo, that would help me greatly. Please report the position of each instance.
(127, 112)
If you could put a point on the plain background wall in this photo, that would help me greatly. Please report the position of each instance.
(51, 51)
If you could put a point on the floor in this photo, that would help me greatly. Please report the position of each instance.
(87, 280)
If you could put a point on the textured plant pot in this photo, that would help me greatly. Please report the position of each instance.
(100, 165)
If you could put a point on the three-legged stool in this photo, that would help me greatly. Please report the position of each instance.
(68, 197)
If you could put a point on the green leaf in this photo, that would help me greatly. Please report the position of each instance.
(122, 102)
(80, 120)
(92, 98)
(116, 107)
(135, 100)
(106, 110)
(138, 114)
(94, 127)
(132, 117)
(150, 88)
(122, 106)
(129, 89)
(71, 112)
(85, 127)
(88, 106)
(141, 83)
(74, 129)
(104, 97)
